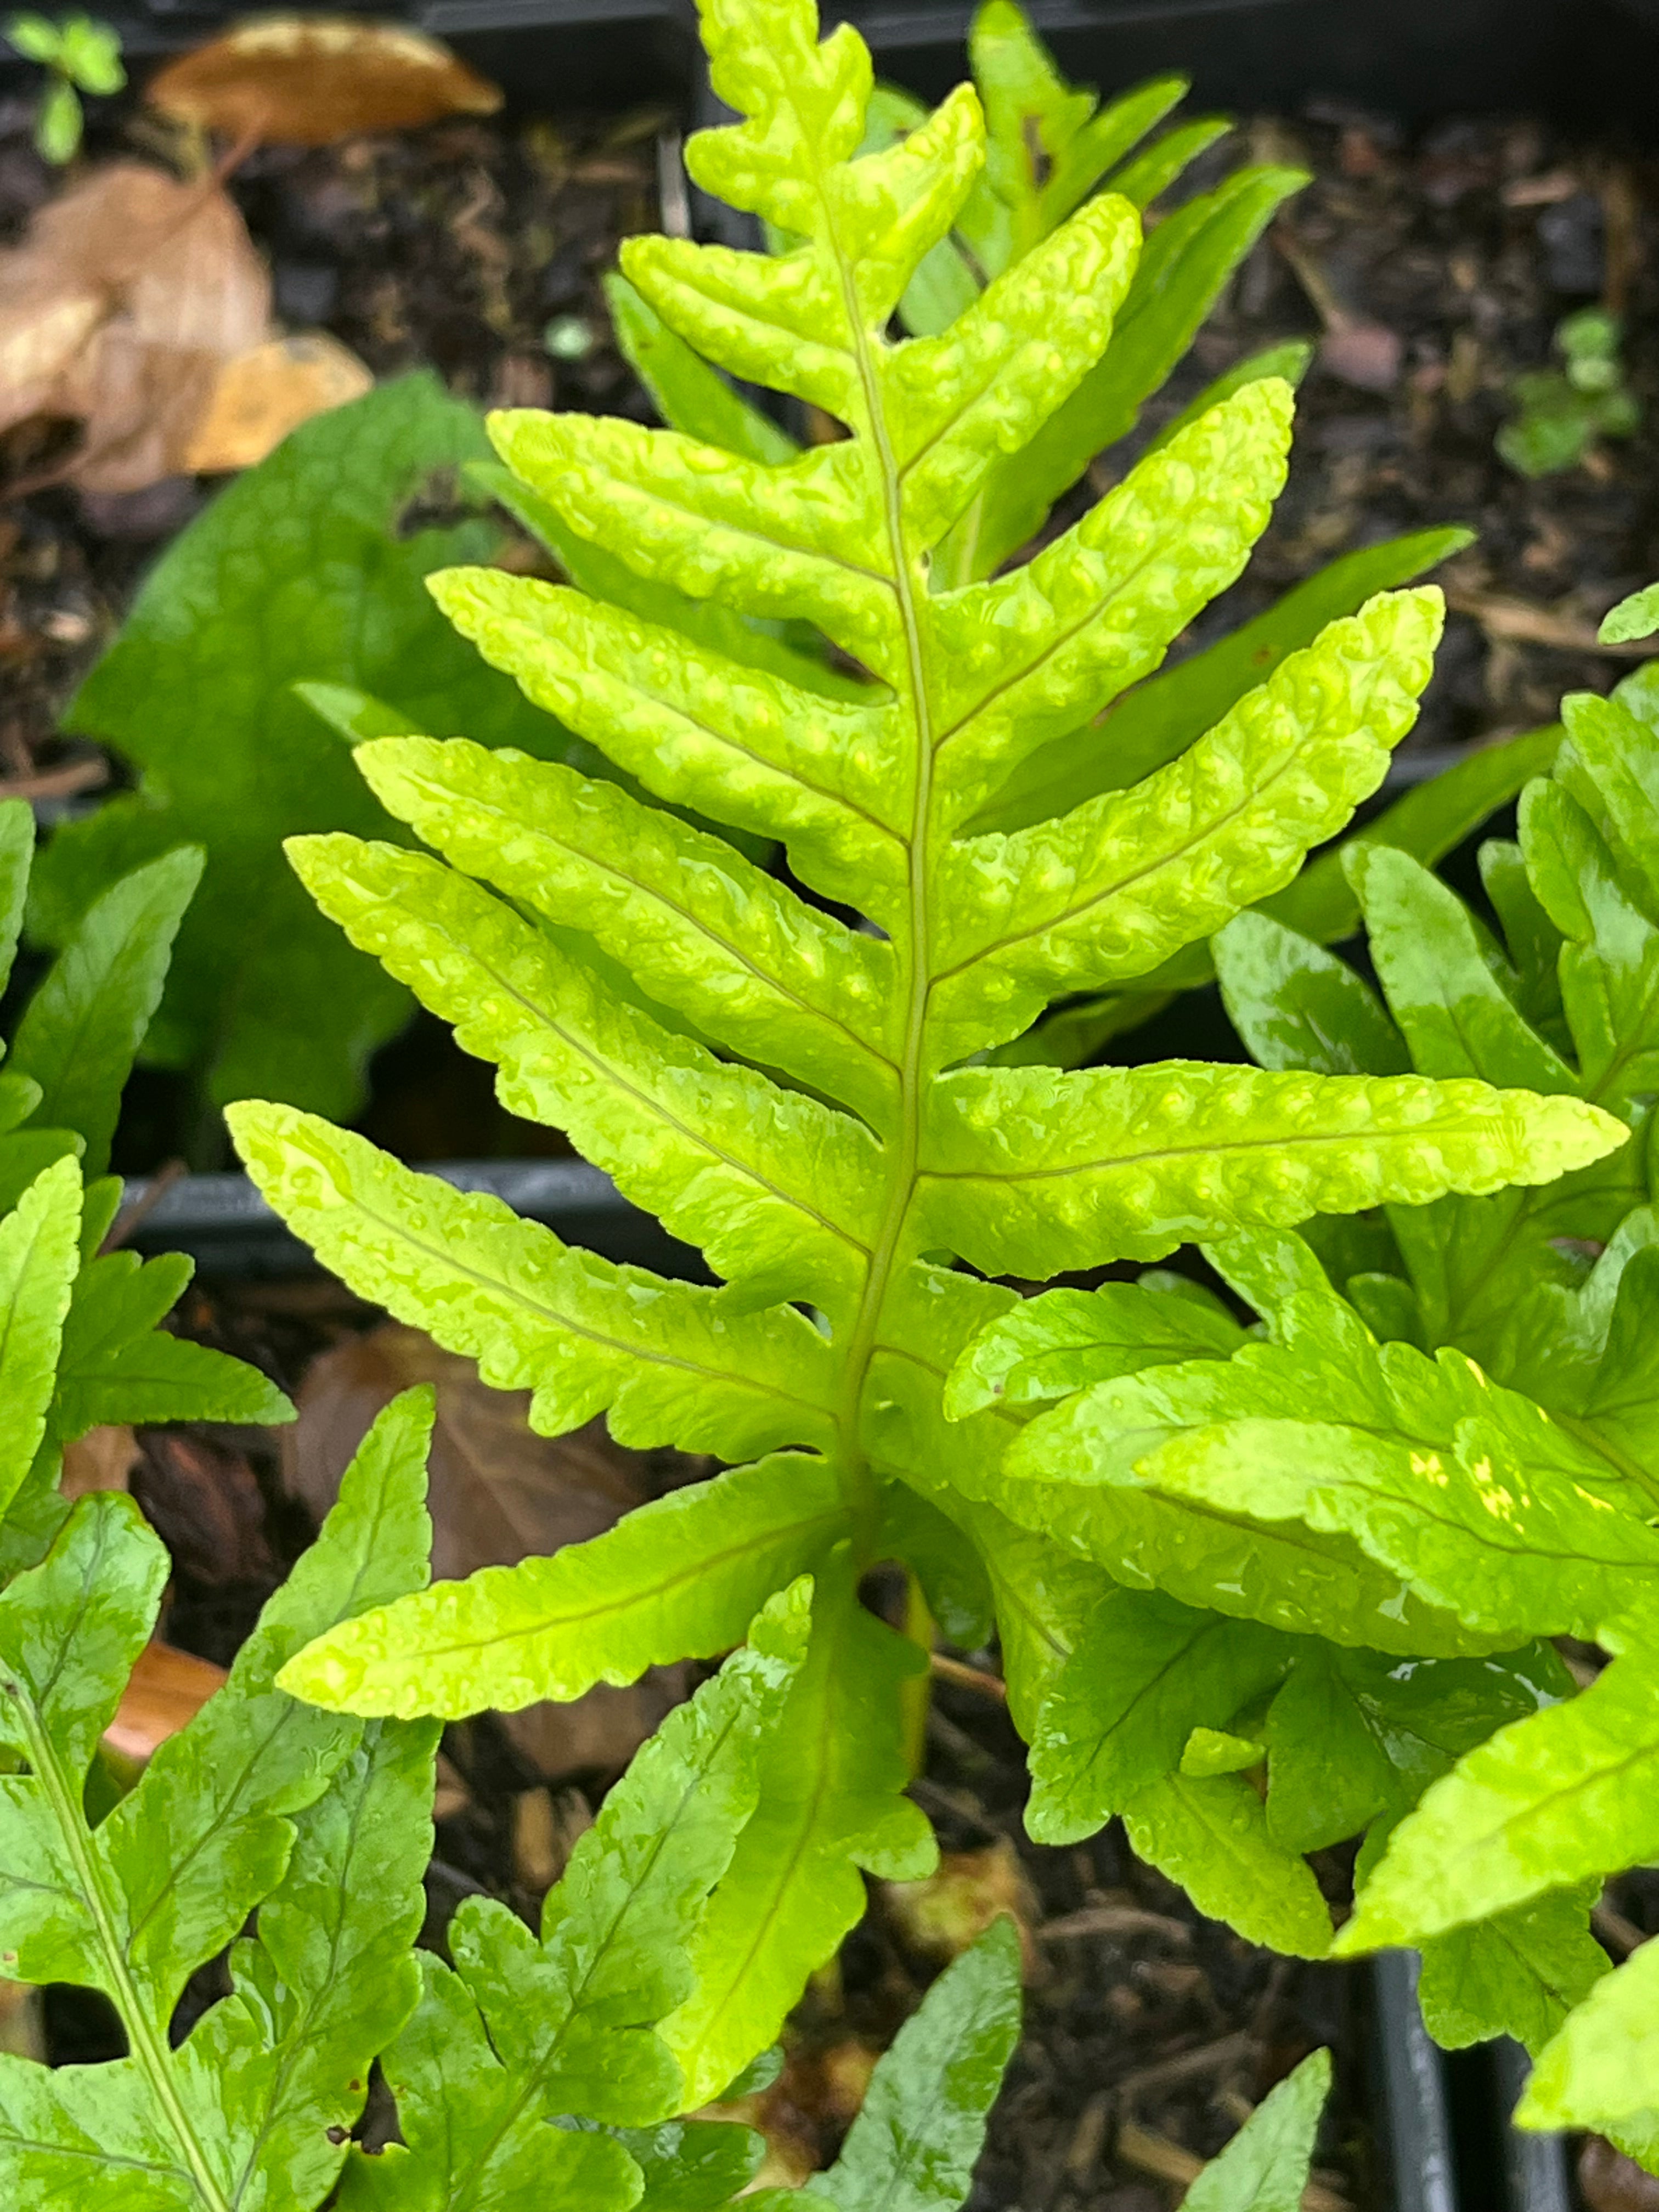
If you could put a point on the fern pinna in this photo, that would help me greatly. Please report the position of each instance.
(798, 1095)
(1358, 1449)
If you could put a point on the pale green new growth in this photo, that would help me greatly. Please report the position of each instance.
(784, 1089)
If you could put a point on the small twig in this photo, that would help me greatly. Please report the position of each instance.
(968, 1678)
(1546, 191)
(57, 782)
(1166, 2162)
(228, 162)
(1503, 618)
(1261, 2019)
(1089, 2136)
(673, 199)
(942, 1799)
(139, 1209)
(1115, 1920)
(1155, 2155)
(1622, 220)
(1208, 2058)
(1620, 1935)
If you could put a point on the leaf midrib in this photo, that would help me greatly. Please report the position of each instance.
(148, 2046)
(445, 1257)
(727, 942)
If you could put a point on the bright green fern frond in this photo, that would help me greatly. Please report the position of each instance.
(703, 730)
(674, 1363)
(1020, 660)
(1482, 1506)
(785, 1086)
(701, 929)
(1562, 1003)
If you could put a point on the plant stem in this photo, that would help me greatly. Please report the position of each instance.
(146, 2040)
(914, 949)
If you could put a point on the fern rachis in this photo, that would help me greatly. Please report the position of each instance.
(689, 1020)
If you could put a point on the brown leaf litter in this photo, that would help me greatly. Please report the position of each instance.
(138, 307)
(498, 1493)
(308, 81)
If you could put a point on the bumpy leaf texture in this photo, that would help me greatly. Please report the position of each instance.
(308, 566)
(803, 1097)
(1510, 1500)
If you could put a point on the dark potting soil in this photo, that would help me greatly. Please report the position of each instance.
(1457, 254)
(458, 245)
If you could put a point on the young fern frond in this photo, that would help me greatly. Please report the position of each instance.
(794, 1095)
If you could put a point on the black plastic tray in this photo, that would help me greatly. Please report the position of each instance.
(228, 1230)
(1580, 62)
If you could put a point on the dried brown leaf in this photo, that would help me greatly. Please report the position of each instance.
(166, 1688)
(119, 309)
(307, 81)
(261, 396)
(42, 328)
(103, 1459)
(203, 1499)
(498, 1493)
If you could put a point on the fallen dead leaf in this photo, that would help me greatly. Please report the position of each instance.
(498, 1493)
(134, 302)
(943, 1915)
(42, 329)
(103, 1459)
(166, 1689)
(263, 395)
(119, 309)
(203, 1499)
(307, 81)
